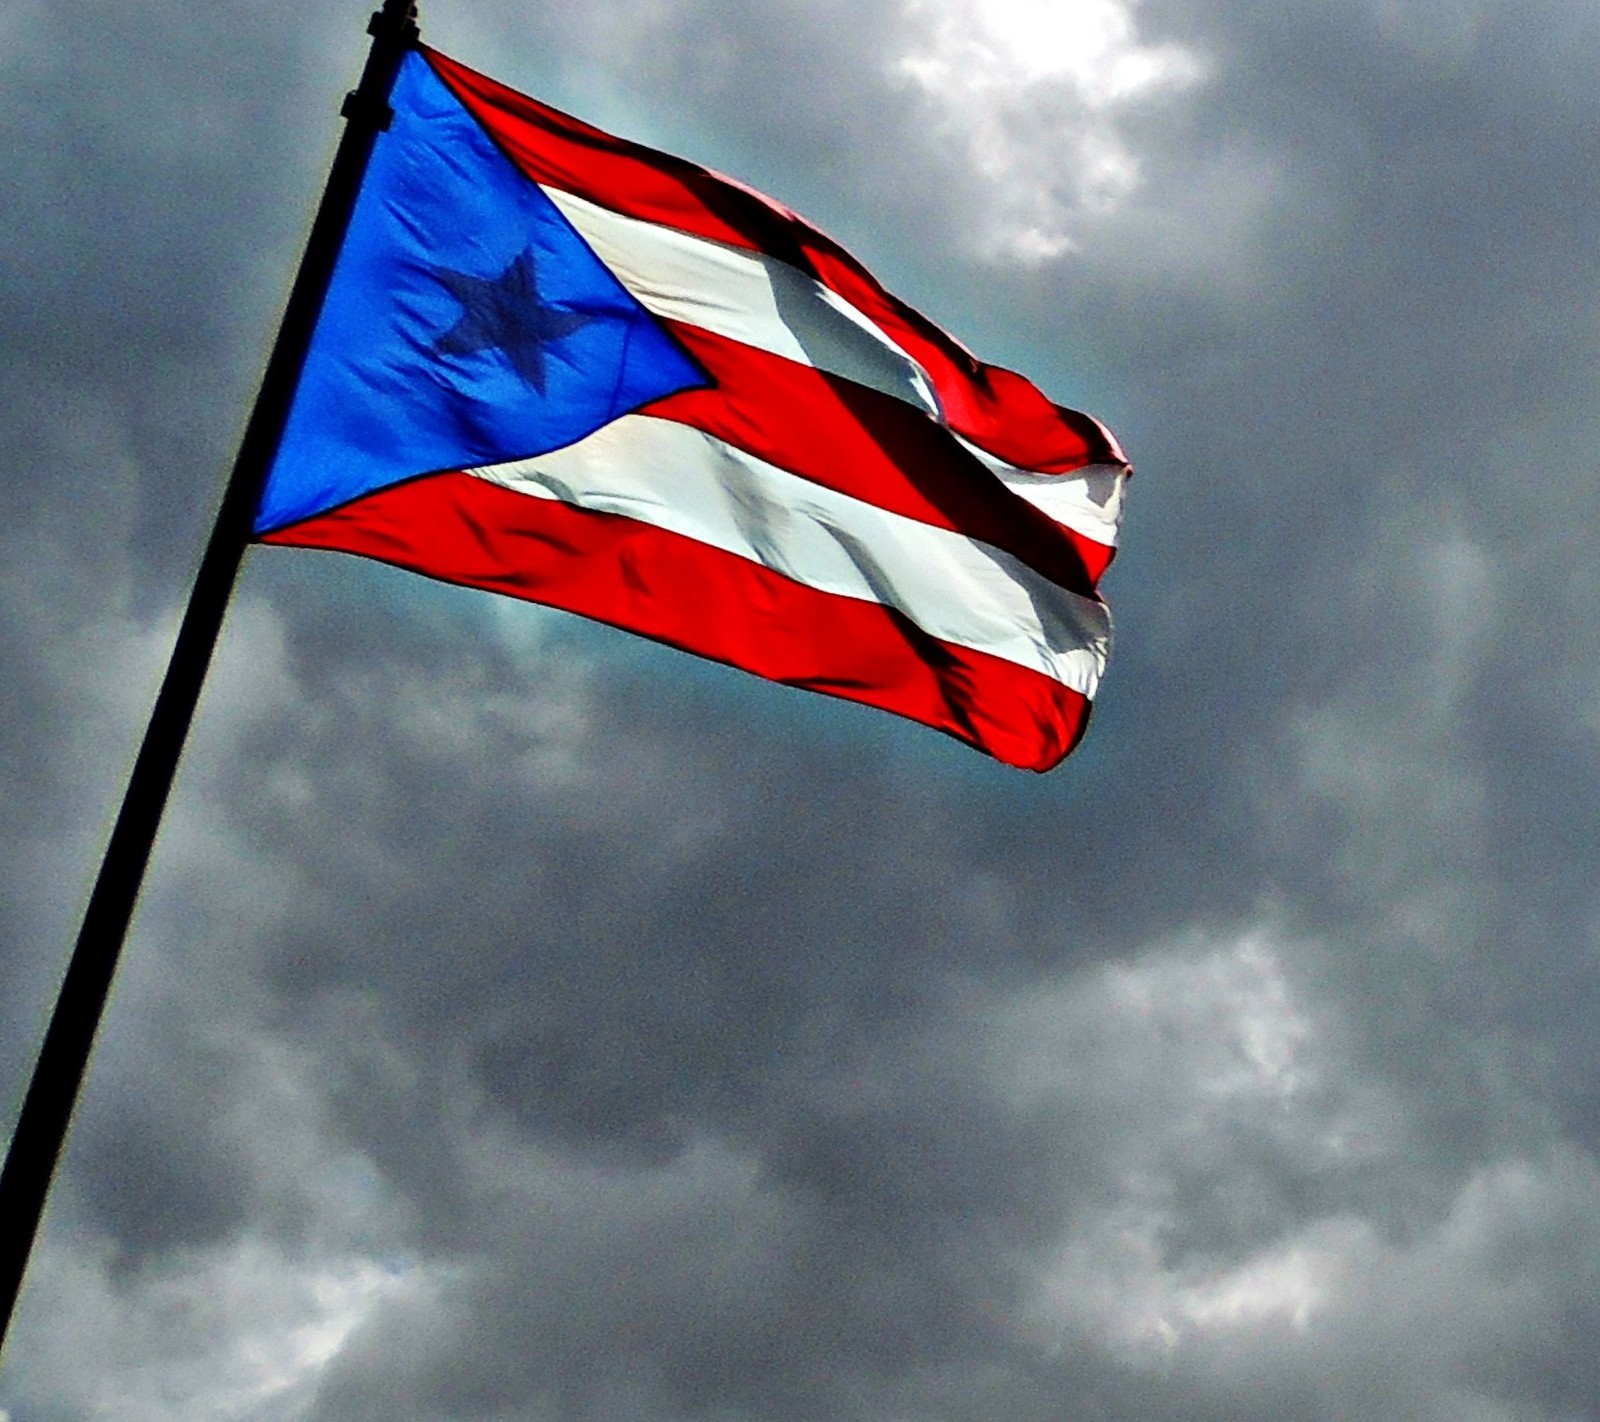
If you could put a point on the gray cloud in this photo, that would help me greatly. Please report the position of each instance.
(522, 1023)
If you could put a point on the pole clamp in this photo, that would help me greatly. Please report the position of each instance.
(364, 109)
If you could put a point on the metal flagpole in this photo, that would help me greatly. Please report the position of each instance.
(58, 1074)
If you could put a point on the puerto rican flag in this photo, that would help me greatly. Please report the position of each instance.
(560, 366)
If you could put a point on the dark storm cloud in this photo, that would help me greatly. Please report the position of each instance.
(113, 327)
(1421, 401)
(523, 1025)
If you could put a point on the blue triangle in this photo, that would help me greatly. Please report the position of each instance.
(467, 323)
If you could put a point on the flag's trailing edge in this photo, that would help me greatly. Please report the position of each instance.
(561, 366)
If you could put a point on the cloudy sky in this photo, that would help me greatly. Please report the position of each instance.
(528, 1024)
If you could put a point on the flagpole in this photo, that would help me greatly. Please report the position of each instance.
(63, 1059)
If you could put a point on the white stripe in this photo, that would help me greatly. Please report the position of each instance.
(957, 589)
(1087, 500)
(764, 302)
(748, 297)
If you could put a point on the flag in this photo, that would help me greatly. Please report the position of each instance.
(558, 365)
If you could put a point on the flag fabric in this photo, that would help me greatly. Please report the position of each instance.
(561, 366)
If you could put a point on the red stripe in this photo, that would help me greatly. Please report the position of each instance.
(993, 407)
(662, 585)
(872, 447)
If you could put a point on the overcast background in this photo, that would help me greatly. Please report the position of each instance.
(527, 1024)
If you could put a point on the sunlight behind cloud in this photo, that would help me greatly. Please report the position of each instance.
(1167, 1062)
(1116, 1285)
(1035, 91)
(260, 1330)
(1219, 1022)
